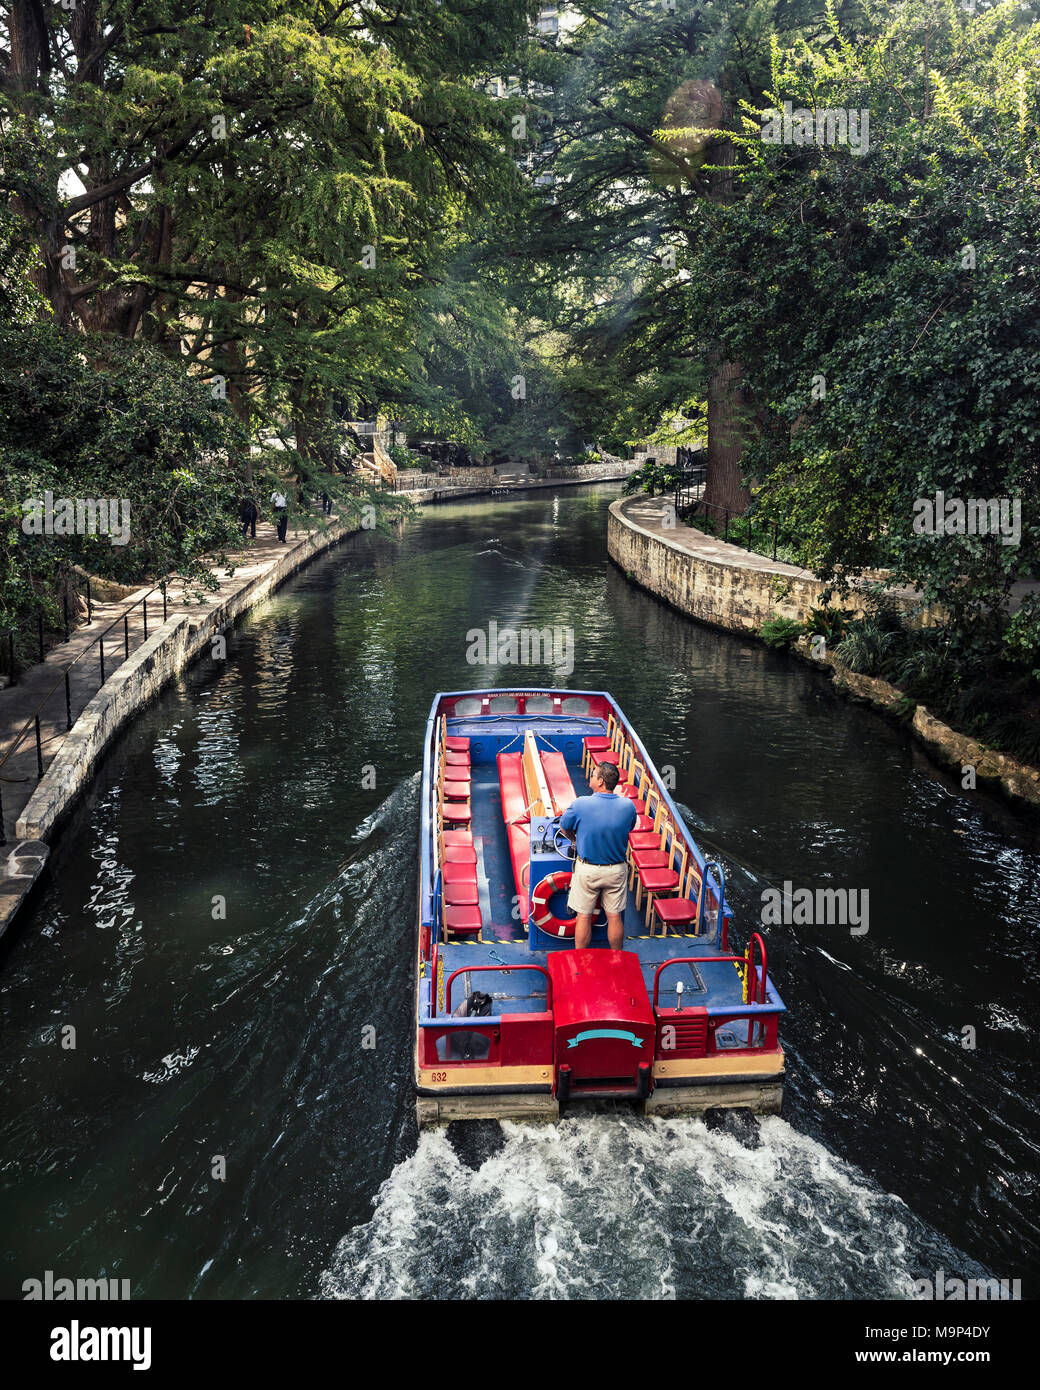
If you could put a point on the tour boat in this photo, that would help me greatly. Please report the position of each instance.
(512, 1020)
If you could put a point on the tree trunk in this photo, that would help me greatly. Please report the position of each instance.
(27, 39)
(724, 486)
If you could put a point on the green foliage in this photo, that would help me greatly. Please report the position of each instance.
(279, 196)
(403, 457)
(124, 423)
(652, 477)
(780, 633)
(867, 647)
(903, 283)
(831, 623)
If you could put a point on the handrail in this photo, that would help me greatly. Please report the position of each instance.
(161, 586)
(747, 515)
(502, 970)
(687, 960)
(720, 882)
(752, 979)
(752, 968)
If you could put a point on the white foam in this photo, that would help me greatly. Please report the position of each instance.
(611, 1207)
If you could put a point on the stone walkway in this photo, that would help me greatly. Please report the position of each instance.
(19, 703)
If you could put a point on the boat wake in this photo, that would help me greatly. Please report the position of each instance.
(611, 1207)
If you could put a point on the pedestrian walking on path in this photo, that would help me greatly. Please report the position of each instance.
(281, 515)
(249, 514)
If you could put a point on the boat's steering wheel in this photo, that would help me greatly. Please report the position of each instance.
(567, 848)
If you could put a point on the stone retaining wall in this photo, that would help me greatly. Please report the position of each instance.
(717, 588)
(741, 597)
(140, 678)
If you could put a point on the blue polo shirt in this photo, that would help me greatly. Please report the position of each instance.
(603, 823)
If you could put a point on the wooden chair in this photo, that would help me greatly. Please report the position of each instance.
(635, 794)
(657, 882)
(454, 815)
(656, 856)
(647, 820)
(681, 911)
(458, 851)
(596, 744)
(452, 752)
(453, 781)
(651, 837)
(460, 911)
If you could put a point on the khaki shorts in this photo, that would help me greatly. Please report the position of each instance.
(593, 881)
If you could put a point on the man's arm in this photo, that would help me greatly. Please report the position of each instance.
(569, 824)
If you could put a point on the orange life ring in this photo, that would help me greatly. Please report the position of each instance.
(550, 884)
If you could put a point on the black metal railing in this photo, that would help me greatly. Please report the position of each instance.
(742, 525)
(33, 721)
(689, 483)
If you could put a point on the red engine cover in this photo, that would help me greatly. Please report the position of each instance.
(602, 1016)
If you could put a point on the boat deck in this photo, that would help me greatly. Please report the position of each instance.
(503, 940)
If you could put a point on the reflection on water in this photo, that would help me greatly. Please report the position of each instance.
(229, 930)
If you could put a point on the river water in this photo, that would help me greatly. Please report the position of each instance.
(229, 927)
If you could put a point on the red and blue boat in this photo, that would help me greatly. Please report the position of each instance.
(511, 1020)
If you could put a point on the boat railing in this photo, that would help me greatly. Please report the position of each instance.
(754, 1010)
(689, 960)
(500, 970)
(753, 985)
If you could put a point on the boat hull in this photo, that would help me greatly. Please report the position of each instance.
(570, 1031)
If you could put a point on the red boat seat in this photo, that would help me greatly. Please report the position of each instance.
(456, 759)
(454, 773)
(659, 880)
(456, 745)
(520, 855)
(457, 791)
(458, 837)
(462, 920)
(643, 823)
(676, 911)
(597, 743)
(652, 858)
(461, 894)
(644, 839)
(454, 872)
(558, 779)
(513, 791)
(460, 854)
(457, 813)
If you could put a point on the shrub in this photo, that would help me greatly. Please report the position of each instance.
(780, 633)
(831, 623)
(867, 647)
(652, 477)
(403, 457)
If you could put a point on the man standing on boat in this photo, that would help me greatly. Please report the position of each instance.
(599, 825)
